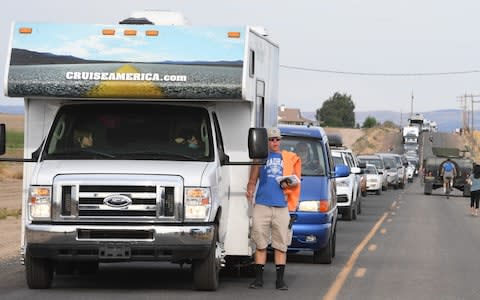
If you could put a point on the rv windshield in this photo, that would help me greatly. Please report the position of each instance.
(130, 131)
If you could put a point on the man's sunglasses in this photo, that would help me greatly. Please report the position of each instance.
(274, 139)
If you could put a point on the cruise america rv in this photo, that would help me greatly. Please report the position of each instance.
(138, 140)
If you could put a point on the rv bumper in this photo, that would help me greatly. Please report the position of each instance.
(113, 243)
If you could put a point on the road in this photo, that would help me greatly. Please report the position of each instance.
(420, 247)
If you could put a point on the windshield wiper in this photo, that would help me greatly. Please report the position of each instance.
(81, 152)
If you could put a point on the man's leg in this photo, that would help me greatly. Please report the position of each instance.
(280, 262)
(260, 260)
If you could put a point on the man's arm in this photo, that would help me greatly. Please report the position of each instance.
(252, 181)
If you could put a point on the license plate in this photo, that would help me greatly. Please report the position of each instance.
(114, 252)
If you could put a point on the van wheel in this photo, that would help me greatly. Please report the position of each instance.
(355, 211)
(39, 272)
(348, 215)
(206, 271)
(379, 191)
(325, 255)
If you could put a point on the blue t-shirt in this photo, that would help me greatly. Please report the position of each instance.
(448, 166)
(269, 192)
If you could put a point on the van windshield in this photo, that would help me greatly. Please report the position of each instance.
(130, 131)
(310, 152)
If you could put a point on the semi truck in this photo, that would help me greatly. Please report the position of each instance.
(173, 115)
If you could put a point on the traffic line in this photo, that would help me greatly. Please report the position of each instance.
(360, 273)
(343, 275)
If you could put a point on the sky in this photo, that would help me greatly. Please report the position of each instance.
(386, 55)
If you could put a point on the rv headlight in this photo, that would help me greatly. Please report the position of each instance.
(39, 202)
(197, 203)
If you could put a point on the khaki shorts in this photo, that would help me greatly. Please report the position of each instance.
(271, 222)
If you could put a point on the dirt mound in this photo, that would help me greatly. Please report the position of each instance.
(369, 140)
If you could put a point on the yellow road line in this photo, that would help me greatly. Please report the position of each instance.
(393, 205)
(360, 273)
(342, 276)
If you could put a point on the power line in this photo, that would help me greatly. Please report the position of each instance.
(379, 74)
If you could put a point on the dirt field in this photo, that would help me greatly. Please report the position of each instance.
(13, 122)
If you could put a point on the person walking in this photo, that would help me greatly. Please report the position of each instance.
(474, 190)
(448, 173)
(273, 201)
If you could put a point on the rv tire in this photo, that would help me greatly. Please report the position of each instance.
(38, 271)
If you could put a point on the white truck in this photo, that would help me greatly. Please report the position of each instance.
(174, 114)
(410, 134)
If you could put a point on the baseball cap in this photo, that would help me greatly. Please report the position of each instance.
(274, 132)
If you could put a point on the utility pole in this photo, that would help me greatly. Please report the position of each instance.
(472, 97)
(465, 115)
(463, 105)
(411, 107)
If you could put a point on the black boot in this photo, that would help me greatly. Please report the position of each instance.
(258, 282)
(280, 284)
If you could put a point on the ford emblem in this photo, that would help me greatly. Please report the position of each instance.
(117, 201)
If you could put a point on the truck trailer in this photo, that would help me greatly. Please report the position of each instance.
(138, 140)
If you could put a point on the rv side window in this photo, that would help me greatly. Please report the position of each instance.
(251, 66)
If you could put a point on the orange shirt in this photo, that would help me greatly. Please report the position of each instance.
(292, 165)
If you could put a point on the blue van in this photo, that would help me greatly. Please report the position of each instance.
(316, 215)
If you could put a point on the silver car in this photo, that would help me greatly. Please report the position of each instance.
(378, 162)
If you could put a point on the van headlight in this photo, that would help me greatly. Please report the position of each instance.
(314, 206)
(197, 204)
(40, 203)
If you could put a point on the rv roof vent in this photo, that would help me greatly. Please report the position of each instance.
(157, 17)
(136, 21)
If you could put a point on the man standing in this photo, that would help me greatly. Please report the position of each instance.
(448, 173)
(274, 199)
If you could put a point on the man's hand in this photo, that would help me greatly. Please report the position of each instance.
(249, 195)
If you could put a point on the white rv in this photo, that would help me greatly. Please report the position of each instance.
(137, 143)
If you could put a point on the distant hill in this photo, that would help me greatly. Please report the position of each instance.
(28, 57)
(447, 120)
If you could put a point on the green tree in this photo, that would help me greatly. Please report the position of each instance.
(369, 122)
(337, 111)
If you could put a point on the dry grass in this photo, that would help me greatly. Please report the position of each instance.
(5, 212)
(376, 139)
(11, 170)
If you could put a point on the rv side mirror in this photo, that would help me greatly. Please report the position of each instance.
(2, 139)
(257, 143)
